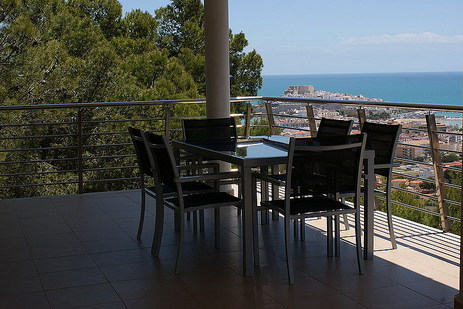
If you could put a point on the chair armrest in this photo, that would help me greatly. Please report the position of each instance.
(268, 178)
(385, 165)
(214, 166)
(215, 176)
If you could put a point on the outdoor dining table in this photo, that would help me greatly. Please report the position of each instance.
(269, 151)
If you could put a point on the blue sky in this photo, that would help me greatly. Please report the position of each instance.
(346, 36)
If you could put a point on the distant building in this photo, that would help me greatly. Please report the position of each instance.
(300, 90)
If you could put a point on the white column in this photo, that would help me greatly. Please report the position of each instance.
(217, 59)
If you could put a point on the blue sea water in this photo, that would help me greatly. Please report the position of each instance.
(440, 88)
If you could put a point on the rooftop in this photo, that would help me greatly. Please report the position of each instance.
(80, 251)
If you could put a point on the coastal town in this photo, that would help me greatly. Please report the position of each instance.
(414, 143)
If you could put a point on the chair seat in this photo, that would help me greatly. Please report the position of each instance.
(205, 200)
(312, 204)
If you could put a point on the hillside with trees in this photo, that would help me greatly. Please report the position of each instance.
(85, 51)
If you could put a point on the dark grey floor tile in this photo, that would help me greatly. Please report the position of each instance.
(41, 221)
(64, 263)
(44, 230)
(52, 240)
(111, 305)
(122, 272)
(17, 268)
(43, 252)
(121, 257)
(119, 244)
(71, 278)
(20, 283)
(82, 296)
(183, 302)
(36, 300)
(146, 287)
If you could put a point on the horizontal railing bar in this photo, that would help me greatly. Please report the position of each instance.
(415, 192)
(119, 104)
(37, 123)
(114, 179)
(37, 136)
(121, 120)
(401, 159)
(106, 145)
(402, 105)
(417, 208)
(412, 145)
(108, 157)
(414, 177)
(39, 184)
(109, 168)
(38, 173)
(39, 149)
(37, 161)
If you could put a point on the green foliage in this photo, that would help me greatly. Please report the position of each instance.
(63, 51)
(450, 157)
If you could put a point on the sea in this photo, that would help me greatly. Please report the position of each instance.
(440, 88)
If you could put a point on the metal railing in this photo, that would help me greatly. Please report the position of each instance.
(84, 147)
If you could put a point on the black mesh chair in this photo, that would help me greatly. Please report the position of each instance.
(334, 127)
(303, 200)
(166, 174)
(383, 139)
(146, 171)
(217, 130)
(210, 131)
(327, 128)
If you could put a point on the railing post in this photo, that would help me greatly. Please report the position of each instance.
(167, 121)
(438, 172)
(458, 302)
(362, 116)
(80, 142)
(271, 120)
(311, 120)
(247, 129)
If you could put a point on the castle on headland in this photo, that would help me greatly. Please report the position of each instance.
(308, 91)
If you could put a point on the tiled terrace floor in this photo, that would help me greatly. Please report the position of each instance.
(80, 251)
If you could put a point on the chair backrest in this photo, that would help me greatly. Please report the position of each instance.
(334, 127)
(312, 171)
(210, 130)
(161, 158)
(383, 139)
(143, 161)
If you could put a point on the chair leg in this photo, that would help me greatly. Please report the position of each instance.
(255, 227)
(180, 241)
(329, 235)
(389, 212)
(158, 226)
(337, 236)
(295, 228)
(302, 232)
(201, 220)
(195, 221)
(344, 217)
(217, 226)
(289, 259)
(358, 243)
(142, 214)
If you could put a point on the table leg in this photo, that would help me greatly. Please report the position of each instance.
(369, 207)
(248, 256)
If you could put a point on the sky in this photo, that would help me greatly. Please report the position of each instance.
(346, 36)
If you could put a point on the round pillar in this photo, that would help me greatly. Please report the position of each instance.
(217, 59)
